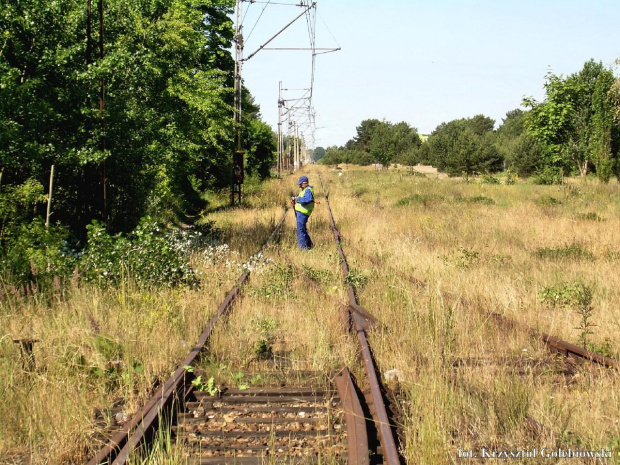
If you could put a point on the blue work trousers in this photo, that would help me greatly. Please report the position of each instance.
(303, 239)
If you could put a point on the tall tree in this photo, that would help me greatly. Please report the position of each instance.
(574, 123)
(465, 146)
(319, 152)
(166, 124)
(605, 137)
(365, 133)
(516, 146)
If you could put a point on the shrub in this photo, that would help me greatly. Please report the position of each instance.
(565, 295)
(549, 176)
(151, 255)
(38, 255)
(462, 258)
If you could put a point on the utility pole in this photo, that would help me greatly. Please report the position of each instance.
(291, 145)
(237, 174)
(49, 199)
(280, 145)
(89, 20)
(296, 143)
(104, 213)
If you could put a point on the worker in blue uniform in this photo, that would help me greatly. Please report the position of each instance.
(304, 204)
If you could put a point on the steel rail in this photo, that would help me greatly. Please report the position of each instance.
(553, 343)
(362, 320)
(122, 443)
(357, 437)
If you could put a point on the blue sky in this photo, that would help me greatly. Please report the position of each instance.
(424, 62)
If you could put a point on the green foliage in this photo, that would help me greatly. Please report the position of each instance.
(357, 279)
(548, 201)
(262, 145)
(35, 254)
(376, 142)
(208, 387)
(567, 252)
(604, 348)
(278, 282)
(165, 135)
(549, 176)
(585, 310)
(151, 255)
(525, 156)
(17, 204)
(574, 125)
(319, 276)
(564, 295)
(335, 155)
(30, 252)
(266, 329)
(465, 146)
(319, 152)
(511, 177)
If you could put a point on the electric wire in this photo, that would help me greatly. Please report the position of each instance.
(301, 113)
(329, 30)
(259, 17)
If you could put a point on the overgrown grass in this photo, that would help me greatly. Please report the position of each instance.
(498, 248)
(478, 258)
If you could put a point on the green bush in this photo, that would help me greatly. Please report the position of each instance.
(564, 295)
(34, 254)
(511, 177)
(549, 176)
(151, 255)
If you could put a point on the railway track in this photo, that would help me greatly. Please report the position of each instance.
(300, 418)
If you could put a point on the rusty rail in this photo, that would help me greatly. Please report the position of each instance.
(133, 433)
(362, 320)
(357, 436)
(557, 345)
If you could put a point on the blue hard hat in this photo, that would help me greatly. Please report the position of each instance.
(302, 179)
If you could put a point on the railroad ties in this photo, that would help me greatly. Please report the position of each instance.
(305, 417)
(296, 417)
(294, 425)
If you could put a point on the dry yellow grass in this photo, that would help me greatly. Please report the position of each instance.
(497, 247)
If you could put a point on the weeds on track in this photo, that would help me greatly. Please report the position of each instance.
(463, 383)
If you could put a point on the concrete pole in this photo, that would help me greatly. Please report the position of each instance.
(49, 199)
(280, 103)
